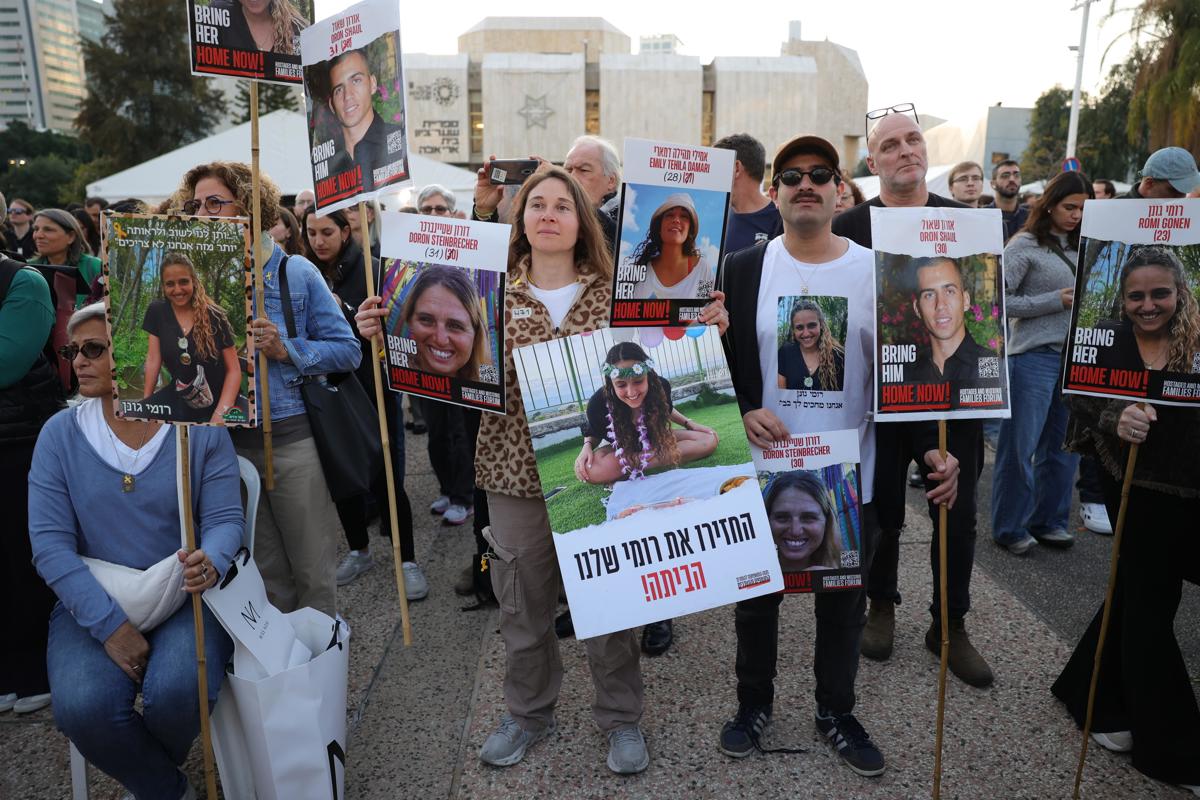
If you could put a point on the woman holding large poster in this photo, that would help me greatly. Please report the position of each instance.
(192, 337)
(630, 422)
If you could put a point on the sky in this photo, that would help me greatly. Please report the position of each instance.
(952, 58)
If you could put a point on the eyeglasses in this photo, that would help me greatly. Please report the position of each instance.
(968, 179)
(880, 113)
(212, 204)
(1004, 176)
(439, 210)
(818, 175)
(90, 350)
(17, 210)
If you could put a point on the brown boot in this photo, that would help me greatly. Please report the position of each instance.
(880, 631)
(965, 661)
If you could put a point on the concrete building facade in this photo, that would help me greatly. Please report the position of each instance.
(531, 85)
(41, 68)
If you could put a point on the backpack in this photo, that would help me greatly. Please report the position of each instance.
(62, 297)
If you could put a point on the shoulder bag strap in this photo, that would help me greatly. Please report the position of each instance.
(1058, 251)
(286, 299)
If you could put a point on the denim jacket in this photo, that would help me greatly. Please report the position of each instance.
(324, 342)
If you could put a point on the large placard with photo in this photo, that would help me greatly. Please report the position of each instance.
(812, 490)
(1135, 327)
(443, 287)
(177, 292)
(649, 483)
(674, 204)
(939, 318)
(354, 98)
(248, 38)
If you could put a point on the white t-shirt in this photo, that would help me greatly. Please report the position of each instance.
(844, 286)
(698, 283)
(557, 301)
(89, 416)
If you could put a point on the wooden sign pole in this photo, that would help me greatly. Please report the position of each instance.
(185, 509)
(376, 346)
(264, 394)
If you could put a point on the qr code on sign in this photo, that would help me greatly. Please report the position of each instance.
(850, 558)
(487, 374)
(989, 367)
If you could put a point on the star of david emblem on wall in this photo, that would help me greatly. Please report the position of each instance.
(535, 112)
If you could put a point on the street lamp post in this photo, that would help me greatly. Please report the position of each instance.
(1073, 127)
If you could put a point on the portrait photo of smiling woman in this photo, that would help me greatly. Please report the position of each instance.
(442, 316)
(812, 331)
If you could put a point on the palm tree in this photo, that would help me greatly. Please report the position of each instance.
(1167, 87)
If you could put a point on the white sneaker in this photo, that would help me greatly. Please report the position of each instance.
(1189, 788)
(440, 505)
(34, 702)
(354, 564)
(416, 586)
(1095, 518)
(455, 514)
(7, 701)
(1116, 741)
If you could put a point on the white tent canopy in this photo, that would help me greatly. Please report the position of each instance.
(283, 155)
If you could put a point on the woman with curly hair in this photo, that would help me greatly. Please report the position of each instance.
(629, 423)
(270, 25)
(676, 268)
(192, 336)
(803, 522)
(1158, 322)
(811, 358)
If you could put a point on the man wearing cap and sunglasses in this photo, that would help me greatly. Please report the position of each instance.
(1169, 173)
(807, 260)
(896, 153)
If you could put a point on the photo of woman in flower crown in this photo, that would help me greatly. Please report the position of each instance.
(630, 423)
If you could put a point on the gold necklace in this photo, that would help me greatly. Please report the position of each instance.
(128, 483)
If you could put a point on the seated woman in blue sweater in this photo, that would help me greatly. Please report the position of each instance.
(105, 488)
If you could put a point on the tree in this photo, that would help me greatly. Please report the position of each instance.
(1166, 93)
(271, 97)
(38, 180)
(142, 99)
(1047, 134)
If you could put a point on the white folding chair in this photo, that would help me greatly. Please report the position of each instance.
(253, 487)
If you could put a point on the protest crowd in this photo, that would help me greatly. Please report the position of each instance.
(81, 480)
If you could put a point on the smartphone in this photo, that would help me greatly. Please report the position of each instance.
(511, 171)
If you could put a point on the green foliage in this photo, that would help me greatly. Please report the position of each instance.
(1167, 80)
(142, 99)
(579, 504)
(1102, 262)
(75, 190)
(19, 141)
(899, 321)
(38, 180)
(834, 309)
(1107, 145)
(271, 97)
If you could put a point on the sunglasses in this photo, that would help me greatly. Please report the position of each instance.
(90, 350)
(818, 175)
(212, 204)
(880, 113)
(434, 209)
(18, 211)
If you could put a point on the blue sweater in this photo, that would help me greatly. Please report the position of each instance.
(77, 508)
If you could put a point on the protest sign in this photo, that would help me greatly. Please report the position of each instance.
(1135, 328)
(248, 38)
(812, 491)
(177, 291)
(647, 474)
(674, 203)
(939, 317)
(354, 98)
(444, 292)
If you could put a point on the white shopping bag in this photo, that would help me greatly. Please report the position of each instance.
(293, 723)
(259, 629)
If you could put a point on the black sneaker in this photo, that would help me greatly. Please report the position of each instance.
(739, 736)
(851, 741)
